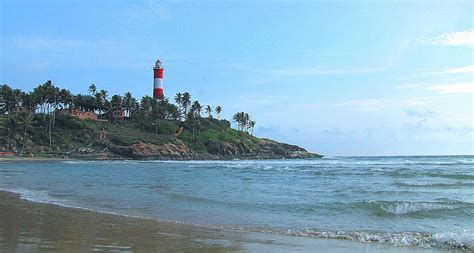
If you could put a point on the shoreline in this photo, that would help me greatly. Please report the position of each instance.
(53, 159)
(33, 225)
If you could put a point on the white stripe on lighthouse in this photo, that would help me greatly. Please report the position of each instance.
(158, 83)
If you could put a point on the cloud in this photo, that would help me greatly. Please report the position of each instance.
(48, 43)
(453, 88)
(461, 38)
(317, 71)
(364, 104)
(458, 88)
(418, 114)
(408, 86)
(463, 70)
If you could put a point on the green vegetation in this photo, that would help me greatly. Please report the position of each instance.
(47, 122)
(30, 120)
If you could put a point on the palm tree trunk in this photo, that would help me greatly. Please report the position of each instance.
(50, 126)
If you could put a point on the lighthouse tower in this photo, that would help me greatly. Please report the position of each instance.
(158, 80)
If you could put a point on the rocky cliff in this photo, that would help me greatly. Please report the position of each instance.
(178, 150)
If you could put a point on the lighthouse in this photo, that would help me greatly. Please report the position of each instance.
(158, 80)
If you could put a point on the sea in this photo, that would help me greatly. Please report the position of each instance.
(416, 201)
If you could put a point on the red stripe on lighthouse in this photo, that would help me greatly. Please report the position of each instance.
(158, 73)
(157, 93)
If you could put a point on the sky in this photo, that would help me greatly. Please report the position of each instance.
(336, 77)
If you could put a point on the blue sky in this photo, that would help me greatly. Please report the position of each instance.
(337, 77)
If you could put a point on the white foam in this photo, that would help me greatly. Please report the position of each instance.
(457, 239)
(413, 207)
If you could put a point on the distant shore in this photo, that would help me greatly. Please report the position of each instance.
(30, 226)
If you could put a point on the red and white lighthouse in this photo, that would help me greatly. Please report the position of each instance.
(158, 80)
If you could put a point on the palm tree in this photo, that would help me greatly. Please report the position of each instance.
(178, 98)
(218, 111)
(243, 120)
(26, 122)
(92, 89)
(128, 102)
(246, 120)
(252, 125)
(209, 111)
(116, 104)
(186, 101)
(104, 94)
(238, 118)
(66, 98)
(101, 97)
(196, 109)
(147, 104)
(99, 102)
(11, 126)
(16, 97)
(6, 94)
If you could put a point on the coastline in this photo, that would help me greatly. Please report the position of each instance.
(32, 226)
(75, 158)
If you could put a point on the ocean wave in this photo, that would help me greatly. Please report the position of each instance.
(458, 176)
(407, 208)
(100, 162)
(34, 196)
(422, 183)
(461, 239)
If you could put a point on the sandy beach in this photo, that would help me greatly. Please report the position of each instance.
(37, 227)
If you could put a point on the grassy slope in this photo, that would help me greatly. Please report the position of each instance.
(71, 133)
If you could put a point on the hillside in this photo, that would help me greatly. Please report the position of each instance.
(75, 138)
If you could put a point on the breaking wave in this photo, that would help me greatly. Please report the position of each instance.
(407, 208)
(435, 184)
(460, 239)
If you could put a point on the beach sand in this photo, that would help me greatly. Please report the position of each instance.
(38, 227)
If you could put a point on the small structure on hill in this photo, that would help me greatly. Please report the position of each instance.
(118, 114)
(20, 109)
(79, 114)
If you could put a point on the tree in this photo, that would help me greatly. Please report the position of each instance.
(26, 121)
(243, 120)
(67, 99)
(196, 109)
(209, 111)
(11, 126)
(116, 104)
(92, 89)
(246, 120)
(252, 125)
(218, 112)
(6, 93)
(147, 104)
(128, 102)
(179, 100)
(104, 94)
(238, 119)
(186, 102)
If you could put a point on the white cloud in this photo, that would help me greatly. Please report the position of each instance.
(457, 88)
(461, 70)
(408, 86)
(42, 43)
(461, 38)
(451, 88)
(364, 104)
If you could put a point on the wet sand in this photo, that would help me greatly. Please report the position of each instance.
(37, 227)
